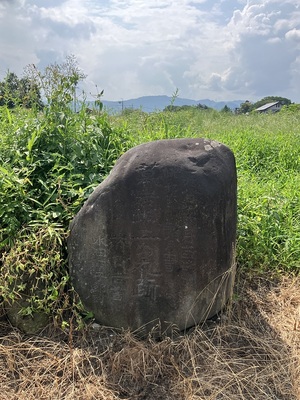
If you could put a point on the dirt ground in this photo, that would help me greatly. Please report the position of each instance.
(250, 351)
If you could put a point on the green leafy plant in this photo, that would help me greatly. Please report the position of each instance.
(52, 160)
(33, 267)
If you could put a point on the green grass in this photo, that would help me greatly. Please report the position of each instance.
(51, 161)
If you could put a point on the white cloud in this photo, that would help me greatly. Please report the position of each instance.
(293, 34)
(263, 50)
(16, 44)
(217, 49)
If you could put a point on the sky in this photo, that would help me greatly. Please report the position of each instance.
(218, 50)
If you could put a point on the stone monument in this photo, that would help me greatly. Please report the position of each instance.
(155, 242)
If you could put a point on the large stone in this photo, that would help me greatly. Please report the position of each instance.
(29, 324)
(155, 241)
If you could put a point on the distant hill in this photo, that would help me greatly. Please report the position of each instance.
(158, 103)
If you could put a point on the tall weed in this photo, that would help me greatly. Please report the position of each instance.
(51, 161)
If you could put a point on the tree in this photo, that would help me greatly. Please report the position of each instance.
(270, 99)
(57, 82)
(245, 107)
(173, 108)
(290, 109)
(226, 109)
(202, 106)
(30, 94)
(15, 91)
(8, 90)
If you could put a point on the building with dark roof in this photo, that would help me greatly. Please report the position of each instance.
(269, 107)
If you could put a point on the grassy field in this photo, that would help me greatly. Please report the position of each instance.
(49, 163)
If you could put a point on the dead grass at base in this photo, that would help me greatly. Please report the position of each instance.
(251, 352)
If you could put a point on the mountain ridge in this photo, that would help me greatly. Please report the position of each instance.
(158, 103)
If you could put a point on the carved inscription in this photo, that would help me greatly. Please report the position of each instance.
(147, 255)
(188, 248)
(147, 288)
(170, 258)
(117, 288)
(147, 262)
(146, 207)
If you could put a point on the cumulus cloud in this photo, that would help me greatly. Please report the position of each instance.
(293, 34)
(222, 49)
(264, 49)
(31, 31)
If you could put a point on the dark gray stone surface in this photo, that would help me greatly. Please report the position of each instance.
(155, 241)
(29, 324)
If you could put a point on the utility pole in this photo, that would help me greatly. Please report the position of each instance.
(122, 104)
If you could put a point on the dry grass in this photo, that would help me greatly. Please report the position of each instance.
(251, 352)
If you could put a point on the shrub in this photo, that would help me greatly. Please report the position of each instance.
(51, 160)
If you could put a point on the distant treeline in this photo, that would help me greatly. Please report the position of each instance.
(171, 107)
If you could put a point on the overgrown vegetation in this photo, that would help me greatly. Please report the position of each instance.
(248, 106)
(52, 156)
(51, 160)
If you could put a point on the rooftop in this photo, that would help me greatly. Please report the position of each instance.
(266, 106)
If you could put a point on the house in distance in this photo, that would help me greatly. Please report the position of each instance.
(269, 107)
